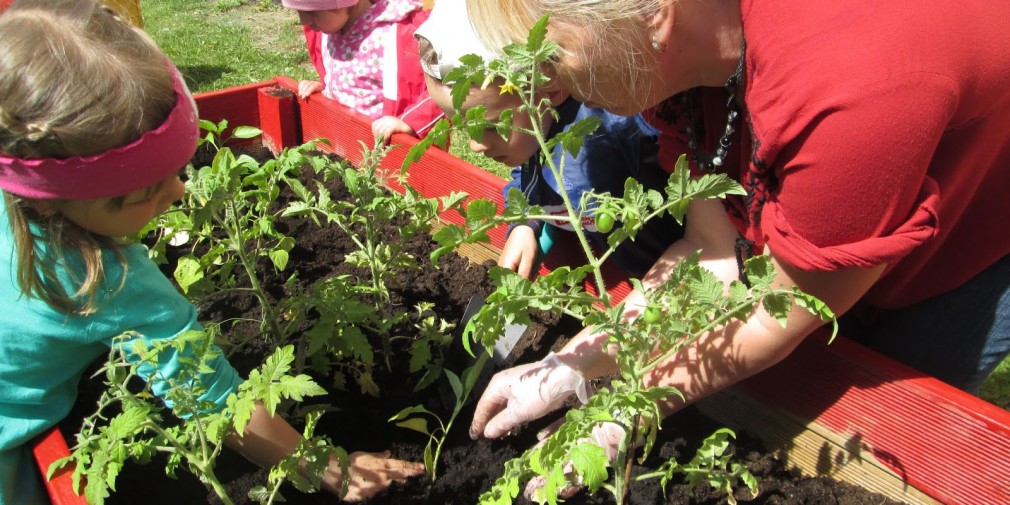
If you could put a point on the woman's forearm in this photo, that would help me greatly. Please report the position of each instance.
(734, 352)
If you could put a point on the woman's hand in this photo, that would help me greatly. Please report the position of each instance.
(524, 393)
(370, 473)
(519, 254)
(608, 436)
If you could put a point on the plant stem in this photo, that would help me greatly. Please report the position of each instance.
(269, 321)
(628, 450)
(724, 316)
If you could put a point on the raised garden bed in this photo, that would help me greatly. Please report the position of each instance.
(838, 411)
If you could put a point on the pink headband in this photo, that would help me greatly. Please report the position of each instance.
(151, 158)
(317, 5)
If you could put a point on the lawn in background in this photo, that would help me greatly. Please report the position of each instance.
(225, 43)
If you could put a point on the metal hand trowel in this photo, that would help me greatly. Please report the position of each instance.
(503, 347)
(458, 358)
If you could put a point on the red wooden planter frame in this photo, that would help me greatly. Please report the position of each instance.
(840, 410)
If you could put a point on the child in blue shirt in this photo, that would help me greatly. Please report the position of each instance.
(95, 126)
(620, 148)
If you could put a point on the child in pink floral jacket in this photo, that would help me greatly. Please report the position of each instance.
(370, 61)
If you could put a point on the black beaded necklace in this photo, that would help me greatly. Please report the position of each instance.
(706, 161)
(711, 162)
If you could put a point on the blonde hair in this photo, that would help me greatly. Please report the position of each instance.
(75, 80)
(611, 35)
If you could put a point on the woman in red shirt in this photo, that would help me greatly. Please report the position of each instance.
(874, 145)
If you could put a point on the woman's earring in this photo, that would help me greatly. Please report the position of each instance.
(658, 46)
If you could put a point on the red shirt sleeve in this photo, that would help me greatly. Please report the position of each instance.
(837, 206)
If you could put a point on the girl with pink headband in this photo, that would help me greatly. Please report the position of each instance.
(367, 58)
(95, 126)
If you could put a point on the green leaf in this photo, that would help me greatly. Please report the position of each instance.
(590, 461)
(454, 382)
(188, 271)
(245, 132)
(420, 355)
(479, 210)
(760, 272)
(537, 35)
(418, 424)
(814, 305)
(368, 385)
(279, 257)
(778, 305)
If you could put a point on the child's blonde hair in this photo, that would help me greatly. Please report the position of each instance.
(75, 80)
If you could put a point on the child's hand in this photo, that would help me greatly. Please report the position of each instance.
(520, 251)
(269, 438)
(370, 473)
(384, 128)
(306, 88)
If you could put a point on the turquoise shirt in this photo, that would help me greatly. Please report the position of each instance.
(43, 353)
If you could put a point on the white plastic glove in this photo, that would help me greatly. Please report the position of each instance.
(524, 393)
(605, 435)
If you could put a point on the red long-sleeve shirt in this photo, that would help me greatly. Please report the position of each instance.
(872, 133)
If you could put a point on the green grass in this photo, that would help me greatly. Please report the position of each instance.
(223, 43)
(459, 147)
(996, 389)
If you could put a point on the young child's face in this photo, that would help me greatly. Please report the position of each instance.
(515, 150)
(103, 217)
(328, 21)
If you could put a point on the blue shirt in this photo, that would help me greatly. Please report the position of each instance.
(622, 147)
(44, 351)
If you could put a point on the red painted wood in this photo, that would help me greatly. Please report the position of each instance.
(239, 105)
(942, 441)
(436, 174)
(47, 448)
(278, 118)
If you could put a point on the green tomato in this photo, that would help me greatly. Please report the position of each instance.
(604, 222)
(652, 314)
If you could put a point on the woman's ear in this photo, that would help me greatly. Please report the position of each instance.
(659, 26)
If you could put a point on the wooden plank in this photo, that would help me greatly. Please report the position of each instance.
(942, 441)
(813, 449)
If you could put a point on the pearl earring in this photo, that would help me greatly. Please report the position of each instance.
(658, 46)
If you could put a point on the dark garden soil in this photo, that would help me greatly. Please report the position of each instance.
(467, 467)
